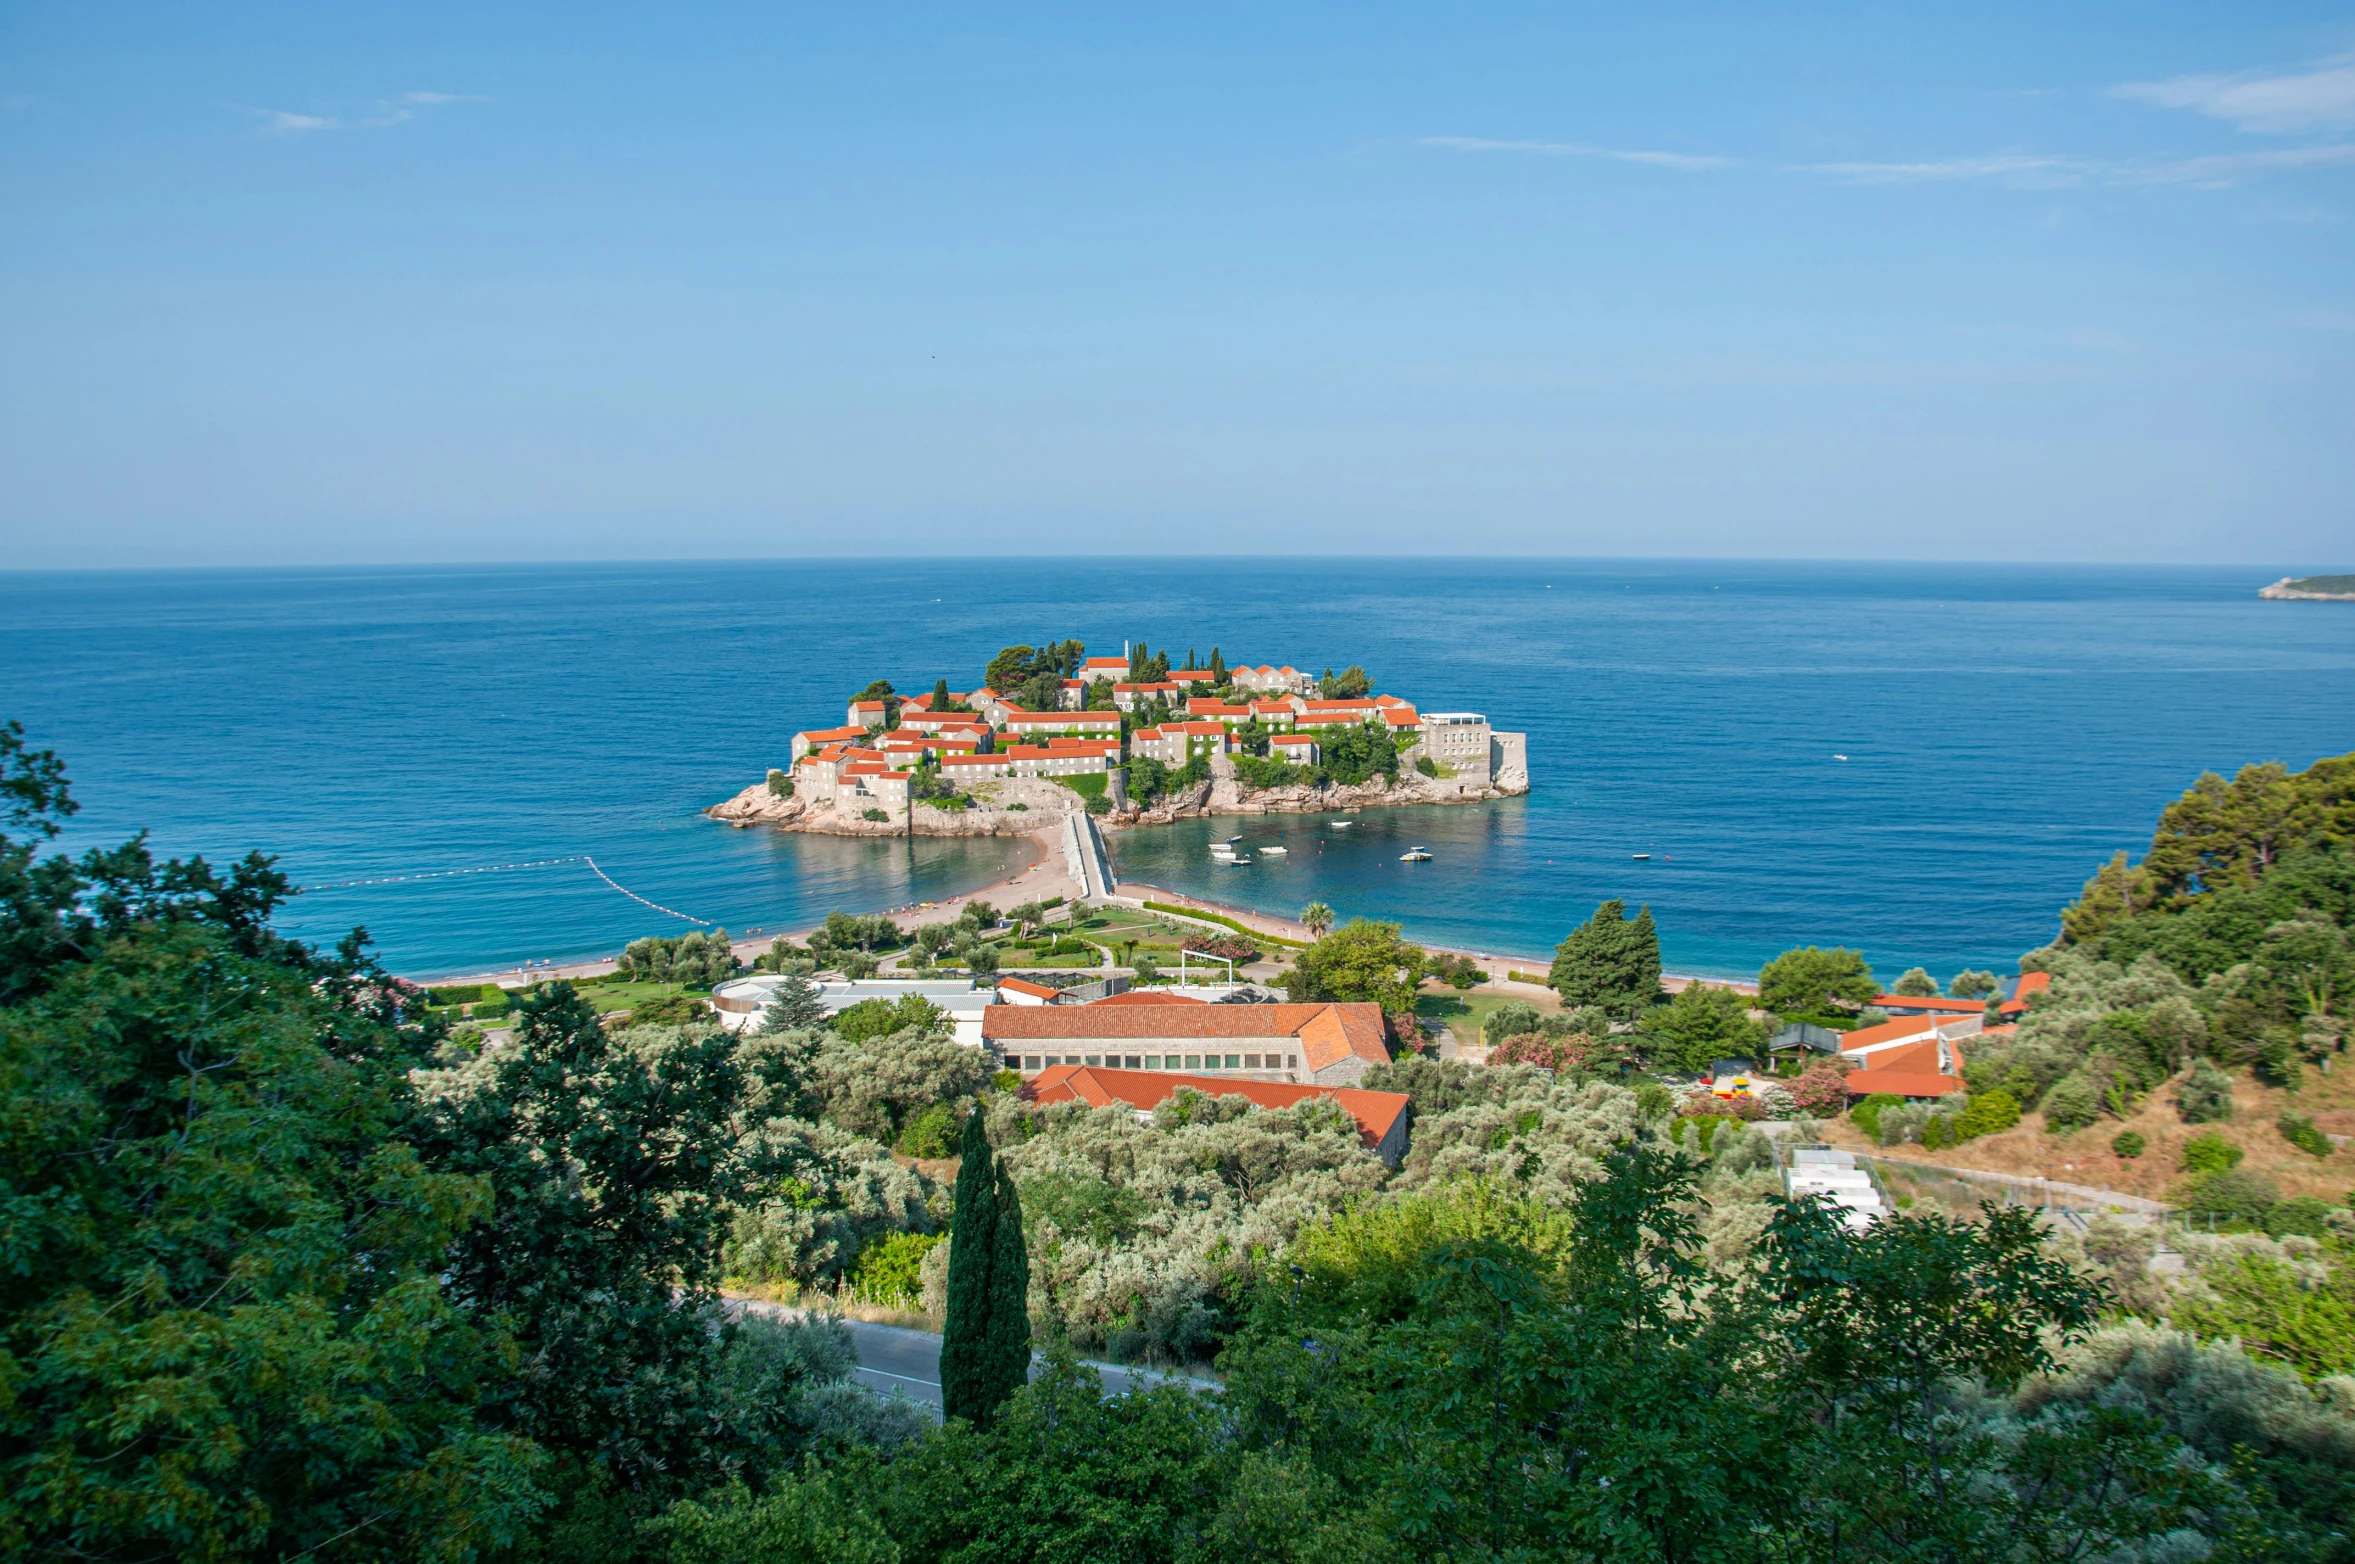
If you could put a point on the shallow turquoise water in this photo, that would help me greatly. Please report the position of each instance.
(2006, 727)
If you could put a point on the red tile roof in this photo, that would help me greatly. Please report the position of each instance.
(828, 735)
(1401, 717)
(1146, 996)
(1376, 1113)
(1867, 1083)
(1931, 1003)
(2030, 983)
(1025, 986)
(1328, 1033)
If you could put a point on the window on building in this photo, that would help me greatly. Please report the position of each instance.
(1193, 1061)
(1095, 1061)
(1134, 1062)
(1234, 1061)
(1251, 1061)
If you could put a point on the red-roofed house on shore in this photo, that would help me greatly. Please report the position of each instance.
(819, 738)
(1113, 668)
(1381, 1116)
(868, 714)
(2030, 985)
(1299, 749)
(1174, 743)
(1021, 991)
(1128, 697)
(1029, 726)
(1930, 1005)
(1324, 1045)
(1909, 1056)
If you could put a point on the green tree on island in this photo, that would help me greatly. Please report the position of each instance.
(1826, 987)
(1610, 961)
(985, 1347)
(1362, 960)
(1349, 684)
(1915, 984)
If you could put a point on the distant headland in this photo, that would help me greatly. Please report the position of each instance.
(1132, 740)
(2313, 589)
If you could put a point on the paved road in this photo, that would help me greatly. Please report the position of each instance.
(893, 1358)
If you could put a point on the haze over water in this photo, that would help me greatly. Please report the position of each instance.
(2006, 728)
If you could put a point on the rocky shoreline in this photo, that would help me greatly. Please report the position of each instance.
(2288, 589)
(1020, 806)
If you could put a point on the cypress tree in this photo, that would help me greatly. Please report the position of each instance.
(1218, 667)
(940, 695)
(1009, 1300)
(966, 1369)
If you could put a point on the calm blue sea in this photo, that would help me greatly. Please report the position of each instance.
(2006, 728)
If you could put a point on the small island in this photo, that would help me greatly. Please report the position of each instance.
(2312, 589)
(1131, 740)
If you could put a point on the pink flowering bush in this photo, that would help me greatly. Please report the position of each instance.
(1822, 1090)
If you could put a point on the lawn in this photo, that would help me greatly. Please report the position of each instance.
(1464, 1012)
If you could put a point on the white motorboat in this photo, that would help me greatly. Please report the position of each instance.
(1275, 852)
(1414, 855)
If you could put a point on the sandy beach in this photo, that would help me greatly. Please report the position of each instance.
(1036, 871)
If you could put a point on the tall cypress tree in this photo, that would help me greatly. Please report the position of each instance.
(1009, 1299)
(1218, 667)
(966, 1369)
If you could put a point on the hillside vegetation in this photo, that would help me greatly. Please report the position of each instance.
(293, 1272)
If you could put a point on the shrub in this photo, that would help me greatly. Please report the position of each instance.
(2128, 1144)
(2301, 1216)
(462, 993)
(779, 783)
(1224, 947)
(486, 1009)
(2228, 1199)
(2210, 1153)
(890, 1269)
(2205, 1097)
(1257, 772)
(1821, 1089)
(669, 1010)
(1866, 1115)
(2300, 1132)
(932, 1133)
(2072, 1104)
(1547, 1053)
(874, 814)
(1989, 1114)
(1940, 1131)
(1426, 765)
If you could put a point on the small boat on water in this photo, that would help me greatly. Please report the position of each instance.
(1643, 855)
(1414, 855)
(1234, 860)
(1275, 852)
(1341, 825)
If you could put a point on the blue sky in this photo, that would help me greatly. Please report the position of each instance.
(423, 282)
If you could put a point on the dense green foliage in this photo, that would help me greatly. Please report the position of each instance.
(1361, 960)
(290, 1273)
(1702, 1024)
(1611, 961)
(1823, 987)
(696, 959)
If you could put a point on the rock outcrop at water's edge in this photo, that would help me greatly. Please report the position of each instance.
(992, 814)
(1045, 802)
(1226, 794)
